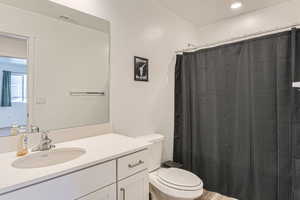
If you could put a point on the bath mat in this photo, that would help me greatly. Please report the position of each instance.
(213, 196)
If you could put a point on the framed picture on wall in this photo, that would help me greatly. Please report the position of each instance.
(141, 69)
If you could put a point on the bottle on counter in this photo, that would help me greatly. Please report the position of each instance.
(22, 146)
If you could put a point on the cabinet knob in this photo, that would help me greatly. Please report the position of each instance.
(136, 164)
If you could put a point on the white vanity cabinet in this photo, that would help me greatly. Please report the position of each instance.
(124, 178)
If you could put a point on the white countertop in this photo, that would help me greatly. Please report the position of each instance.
(99, 149)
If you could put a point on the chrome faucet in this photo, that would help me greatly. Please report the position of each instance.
(45, 143)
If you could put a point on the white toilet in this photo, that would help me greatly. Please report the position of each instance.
(169, 183)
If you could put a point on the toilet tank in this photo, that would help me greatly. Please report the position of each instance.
(155, 150)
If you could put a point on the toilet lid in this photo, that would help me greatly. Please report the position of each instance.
(179, 177)
(172, 191)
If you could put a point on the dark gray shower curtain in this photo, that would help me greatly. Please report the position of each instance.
(296, 123)
(233, 119)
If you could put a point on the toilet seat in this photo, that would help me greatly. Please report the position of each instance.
(179, 179)
(177, 183)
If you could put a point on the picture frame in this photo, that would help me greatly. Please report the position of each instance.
(141, 69)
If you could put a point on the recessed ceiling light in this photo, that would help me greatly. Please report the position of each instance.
(236, 5)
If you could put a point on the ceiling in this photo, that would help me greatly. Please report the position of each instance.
(54, 10)
(203, 12)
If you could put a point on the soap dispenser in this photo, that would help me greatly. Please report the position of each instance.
(22, 146)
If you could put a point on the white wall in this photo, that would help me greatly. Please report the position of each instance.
(67, 57)
(141, 28)
(281, 15)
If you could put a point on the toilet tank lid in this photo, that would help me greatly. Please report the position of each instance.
(152, 138)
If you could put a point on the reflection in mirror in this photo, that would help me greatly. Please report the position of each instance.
(13, 84)
(54, 65)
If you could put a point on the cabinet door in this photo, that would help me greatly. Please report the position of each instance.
(107, 193)
(135, 187)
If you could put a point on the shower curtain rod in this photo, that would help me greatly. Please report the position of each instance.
(238, 39)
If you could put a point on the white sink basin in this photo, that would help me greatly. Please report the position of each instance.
(48, 158)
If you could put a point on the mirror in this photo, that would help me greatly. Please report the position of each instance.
(54, 66)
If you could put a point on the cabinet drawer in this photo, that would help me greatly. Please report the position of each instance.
(132, 164)
(70, 186)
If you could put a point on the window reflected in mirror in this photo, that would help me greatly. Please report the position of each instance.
(13, 84)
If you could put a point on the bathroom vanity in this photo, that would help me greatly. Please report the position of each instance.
(112, 167)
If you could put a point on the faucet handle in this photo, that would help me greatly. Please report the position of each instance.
(44, 135)
(34, 129)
